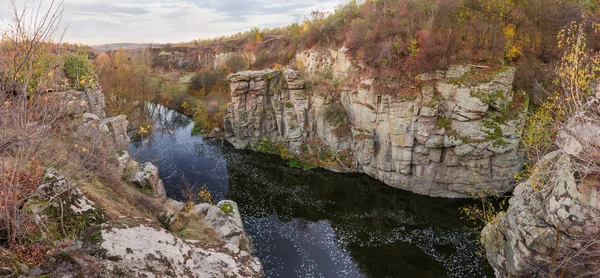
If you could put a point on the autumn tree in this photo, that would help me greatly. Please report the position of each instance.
(129, 81)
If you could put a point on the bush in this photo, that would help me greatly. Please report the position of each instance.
(77, 66)
(203, 80)
(236, 63)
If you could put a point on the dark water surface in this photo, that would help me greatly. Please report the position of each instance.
(317, 223)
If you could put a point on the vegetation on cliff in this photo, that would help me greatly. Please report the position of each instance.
(560, 141)
(393, 41)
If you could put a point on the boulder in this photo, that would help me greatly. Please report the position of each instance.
(116, 128)
(550, 218)
(225, 218)
(457, 71)
(123, 159)
(95, 103)
(58, 199)
(147, 179)
(135, 247)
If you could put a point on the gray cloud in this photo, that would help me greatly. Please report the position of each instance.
(161, 21)
(106, 8)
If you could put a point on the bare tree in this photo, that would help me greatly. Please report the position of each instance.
(27, 61)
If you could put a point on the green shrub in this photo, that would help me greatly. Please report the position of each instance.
(444, 122)
(77, 67)
(226, 208)
(204, 80)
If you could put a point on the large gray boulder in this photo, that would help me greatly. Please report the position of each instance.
(116, 129)
(147, 179)
(94, 101)
(225, 218)
(60, 209)
(135, 247)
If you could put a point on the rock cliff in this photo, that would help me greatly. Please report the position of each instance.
(552, 226)
(454, 134)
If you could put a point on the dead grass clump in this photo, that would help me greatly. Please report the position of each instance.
(196, 229)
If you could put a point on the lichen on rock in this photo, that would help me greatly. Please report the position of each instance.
(136, 247)
(552, 224)
(147, 179)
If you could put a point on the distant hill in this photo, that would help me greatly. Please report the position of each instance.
(116, 46)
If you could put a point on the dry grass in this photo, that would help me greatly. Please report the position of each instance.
(196, 229)
(119, 199)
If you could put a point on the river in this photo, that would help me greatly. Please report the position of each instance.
(316, 223)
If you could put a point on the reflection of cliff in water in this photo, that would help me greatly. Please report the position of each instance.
(388, 232)
(166, 119)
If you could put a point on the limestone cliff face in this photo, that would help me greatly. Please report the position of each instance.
(551, 228)
(452, 138)
(206, 57)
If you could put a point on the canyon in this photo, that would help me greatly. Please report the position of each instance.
(455, 134)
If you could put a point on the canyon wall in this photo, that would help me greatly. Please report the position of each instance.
(551, 227)
(454, 134)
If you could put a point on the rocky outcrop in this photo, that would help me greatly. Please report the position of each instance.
(315, 61)
(454, 134)
(60, 208)
(214, 243)
(135, 247)
(551, 227)
(88, 110)
(116, 129)
(146, 178)
(224, 218)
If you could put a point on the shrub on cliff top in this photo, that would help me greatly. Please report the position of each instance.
(77, 66)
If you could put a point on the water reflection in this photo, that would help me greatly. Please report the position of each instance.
(317, 223)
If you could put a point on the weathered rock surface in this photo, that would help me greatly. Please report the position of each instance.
(135, 247)
(146, 178)
(226, 219)
(454, 138)
(552, 225)
(94, 101)
(116, 128)
(60, 207)
(87, 107)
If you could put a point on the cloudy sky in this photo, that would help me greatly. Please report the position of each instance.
(161, 21)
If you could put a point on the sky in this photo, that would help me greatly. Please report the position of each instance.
(95, 22)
